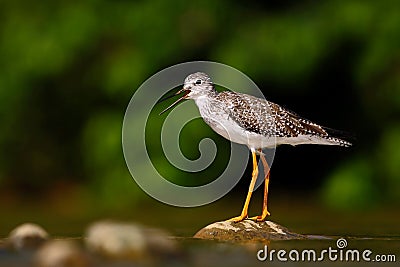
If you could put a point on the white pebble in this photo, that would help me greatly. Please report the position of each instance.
(27, 236)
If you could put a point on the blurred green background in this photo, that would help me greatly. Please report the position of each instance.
(69, 69)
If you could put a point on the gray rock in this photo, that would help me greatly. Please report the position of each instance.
(27, 236)
(61, 253)
(129, 241)
(246, 230)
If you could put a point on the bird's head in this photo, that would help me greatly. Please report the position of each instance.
(196, 85)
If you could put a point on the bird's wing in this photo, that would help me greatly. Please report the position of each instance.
(248, 112)
(292, 125)
(289, 124)
(267, 118)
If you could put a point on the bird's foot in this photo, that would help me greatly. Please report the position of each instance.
(260, 218)
(237, 219)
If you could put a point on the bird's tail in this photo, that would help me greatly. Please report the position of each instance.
(338, 137)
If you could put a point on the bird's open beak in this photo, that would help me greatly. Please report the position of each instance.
(183, 90)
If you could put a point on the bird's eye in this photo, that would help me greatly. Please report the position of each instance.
(198, 82)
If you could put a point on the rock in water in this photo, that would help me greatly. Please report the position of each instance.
(27, 236)
(246, 230)
(61, 253)
(116, 240)
(128, 241)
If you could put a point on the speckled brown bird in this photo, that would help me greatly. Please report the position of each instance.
(254, 122)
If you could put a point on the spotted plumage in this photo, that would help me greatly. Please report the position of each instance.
(252, 121)
(269, 119)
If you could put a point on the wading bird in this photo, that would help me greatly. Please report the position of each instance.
(254, 122)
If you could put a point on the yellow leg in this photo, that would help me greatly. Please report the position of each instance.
(265, 211)
(243, 215)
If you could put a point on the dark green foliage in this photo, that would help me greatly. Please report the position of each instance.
(68, 70)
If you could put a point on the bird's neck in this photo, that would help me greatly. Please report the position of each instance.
(206, 98)
(206, 103)
(207, 94)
